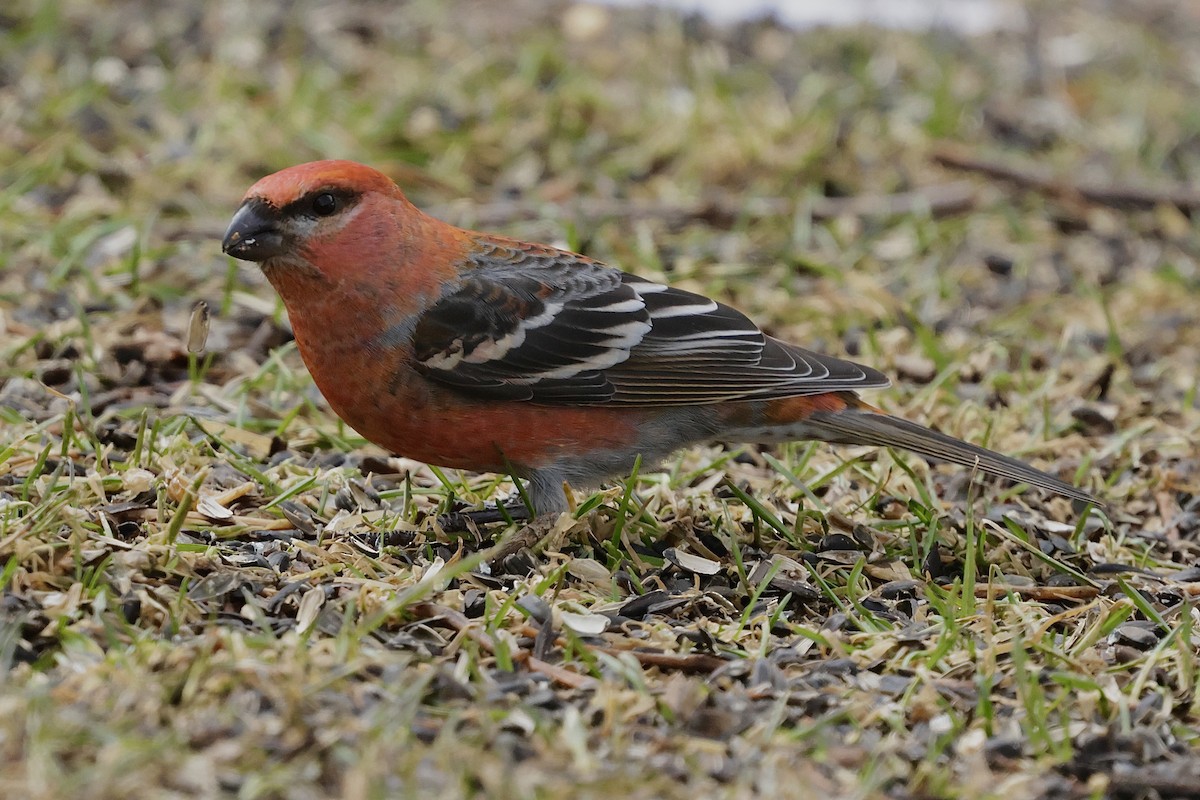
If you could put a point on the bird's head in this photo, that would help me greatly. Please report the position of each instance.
(289, 218)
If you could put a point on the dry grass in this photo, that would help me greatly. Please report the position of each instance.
(212, 587)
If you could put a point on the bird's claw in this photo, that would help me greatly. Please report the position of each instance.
(461, 521)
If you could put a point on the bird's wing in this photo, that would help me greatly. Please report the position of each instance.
(529, 322)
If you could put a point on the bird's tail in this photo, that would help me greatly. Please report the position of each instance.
(862, 424)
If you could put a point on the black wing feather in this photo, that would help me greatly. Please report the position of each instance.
(534, 323)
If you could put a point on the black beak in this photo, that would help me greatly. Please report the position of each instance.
(254, 233)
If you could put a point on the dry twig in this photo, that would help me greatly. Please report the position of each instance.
(1040, 179)
(938, 200)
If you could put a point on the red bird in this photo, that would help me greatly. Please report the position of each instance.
(479, 352)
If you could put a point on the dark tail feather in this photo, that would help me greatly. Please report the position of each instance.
(884, 430)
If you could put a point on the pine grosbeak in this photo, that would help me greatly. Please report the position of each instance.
(484, 353)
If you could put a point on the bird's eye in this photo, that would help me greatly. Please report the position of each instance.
(324, 204)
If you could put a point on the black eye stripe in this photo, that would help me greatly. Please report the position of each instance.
(306, 206)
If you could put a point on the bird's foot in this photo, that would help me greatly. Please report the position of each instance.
(462, 521)
(529, 539)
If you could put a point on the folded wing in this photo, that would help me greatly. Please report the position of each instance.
(530, 322)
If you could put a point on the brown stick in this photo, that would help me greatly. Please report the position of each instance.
(556, 673)
(1039, 592)
(455, 620)
(1040, 179)
(939, 200)
(684, 662)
